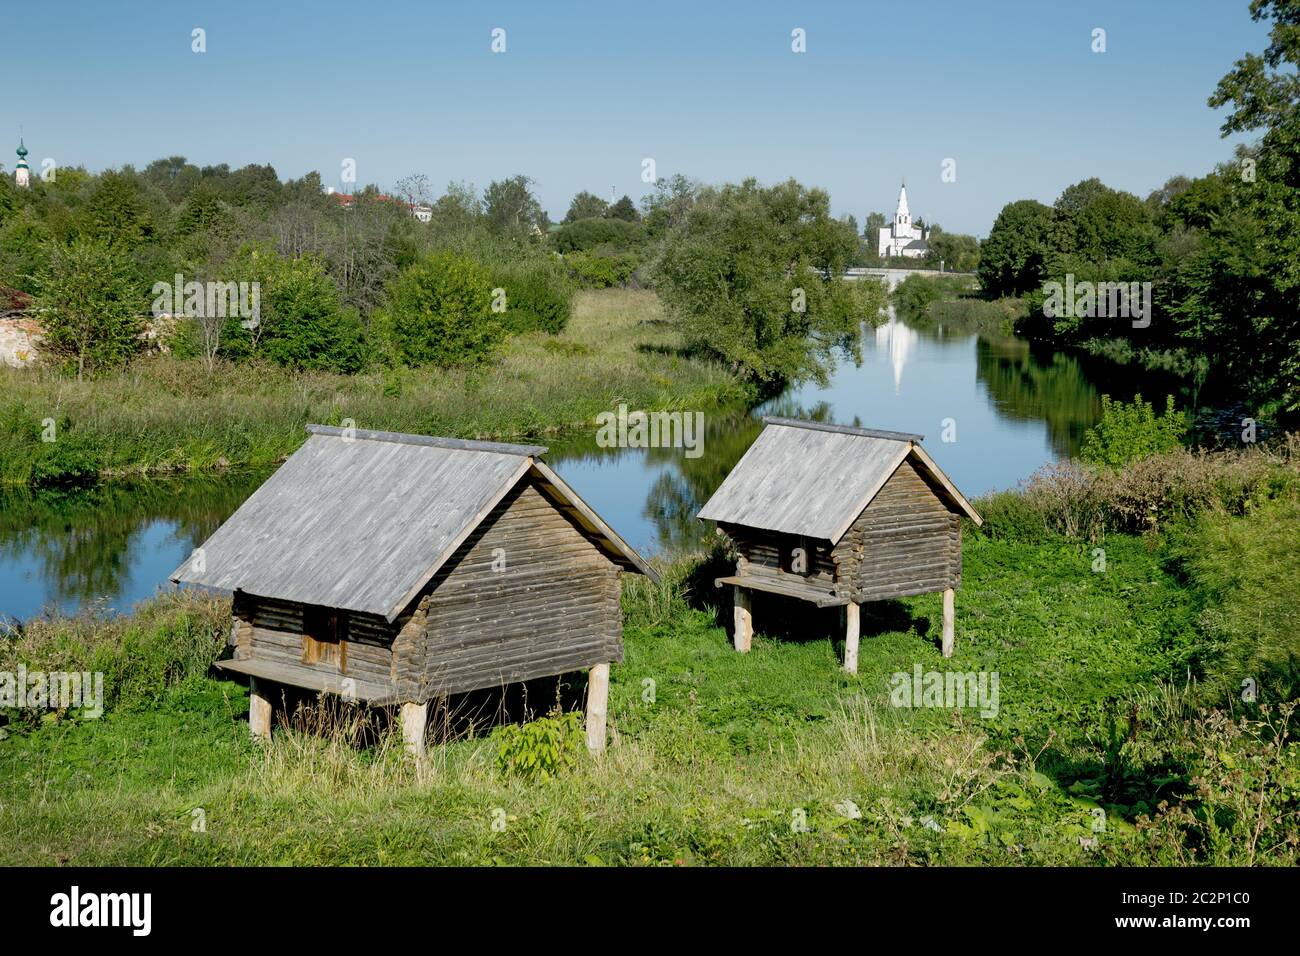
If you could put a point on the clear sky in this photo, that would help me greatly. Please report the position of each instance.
(584, 92)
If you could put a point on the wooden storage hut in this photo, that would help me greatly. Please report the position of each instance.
(395, 569)
(838, 516)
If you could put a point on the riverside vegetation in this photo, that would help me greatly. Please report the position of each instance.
(164, 414)
(1123, 735)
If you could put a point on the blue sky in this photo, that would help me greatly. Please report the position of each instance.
(1010, 89)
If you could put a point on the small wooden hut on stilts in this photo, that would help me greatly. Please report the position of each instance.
(837, 516)
(395, 569)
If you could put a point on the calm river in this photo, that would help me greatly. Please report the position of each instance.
(1012, 407)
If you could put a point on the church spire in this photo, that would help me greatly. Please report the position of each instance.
(22, 177)
(901, 215)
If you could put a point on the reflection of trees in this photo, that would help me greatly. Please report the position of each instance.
(684, 484)
(687, 483)
(1061, 389)
(83, 540)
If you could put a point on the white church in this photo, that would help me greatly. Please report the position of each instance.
(900, 237)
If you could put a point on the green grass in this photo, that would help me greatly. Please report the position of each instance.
(163, 414)
(714, 755)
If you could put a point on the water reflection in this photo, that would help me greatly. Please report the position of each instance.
(1013, 407)
(110, 545)
(896, 342)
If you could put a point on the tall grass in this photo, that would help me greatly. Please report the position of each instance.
(1150, 494)
(175, 637)
(1103, 749)
(164, 414)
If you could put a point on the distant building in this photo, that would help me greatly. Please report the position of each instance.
(900, 237)
(420, 211)
(22, 175)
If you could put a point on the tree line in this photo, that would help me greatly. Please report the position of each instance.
(1221, 252)
(751, 275)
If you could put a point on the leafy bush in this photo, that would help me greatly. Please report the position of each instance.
(590, 233)
(305, 325)
(537, 298)
(600, 270)
(540, 749)
(165, 641)
(977, 315)
(913, 296)
(1130, 431)
(68, 462)
(89, 302)
(1240, 807)
(440, 312)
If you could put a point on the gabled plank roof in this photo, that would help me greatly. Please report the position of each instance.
(362, 520)
(813, 479)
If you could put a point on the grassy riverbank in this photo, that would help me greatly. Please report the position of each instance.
(165, 415)
(1120, 736)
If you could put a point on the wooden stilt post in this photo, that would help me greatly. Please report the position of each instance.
(415, 722)
(744, 621)
(852, 627)
(949, 623)
(597, 707)
(259, 710)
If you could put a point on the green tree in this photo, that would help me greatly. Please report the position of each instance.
(667, 207)
(25, 246)
(957, 252)
(871, 228)
(1013, 257)
(202, 209)
(1097, 223)
(753, 278)
(1263, 300)
(586, 205)
(625, 209)
(305, 325)
(510, 205)
(88, 303)
(116, 210)
(440, 311)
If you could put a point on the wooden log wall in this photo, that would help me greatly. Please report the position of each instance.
(769, 554)
(905, 542)
(553, 608)
(273, 631)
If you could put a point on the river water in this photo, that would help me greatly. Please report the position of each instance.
(1008, 408)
